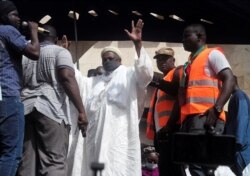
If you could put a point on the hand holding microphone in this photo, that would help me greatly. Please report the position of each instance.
(39, 29)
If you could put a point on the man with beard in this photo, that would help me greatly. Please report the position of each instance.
(12, 46)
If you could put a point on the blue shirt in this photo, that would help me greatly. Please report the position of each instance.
(12, 44)
(238, 122)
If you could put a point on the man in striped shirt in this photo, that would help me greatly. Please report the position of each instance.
(48, 86)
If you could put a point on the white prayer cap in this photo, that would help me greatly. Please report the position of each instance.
(112, 49)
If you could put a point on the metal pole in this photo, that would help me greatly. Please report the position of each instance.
(75, 31)
(76, 40)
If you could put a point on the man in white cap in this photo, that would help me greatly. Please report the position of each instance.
(113, 103)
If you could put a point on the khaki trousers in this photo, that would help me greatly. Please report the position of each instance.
(45, 147)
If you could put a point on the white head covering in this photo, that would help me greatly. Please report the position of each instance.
(112, 49)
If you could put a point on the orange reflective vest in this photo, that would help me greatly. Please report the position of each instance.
(202, 90)
(163, 107)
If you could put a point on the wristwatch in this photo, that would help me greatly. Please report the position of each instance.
(218, 109)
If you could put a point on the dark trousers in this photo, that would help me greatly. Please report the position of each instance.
(45, 147)
(195, 124)
(165, 163)
(11, 134)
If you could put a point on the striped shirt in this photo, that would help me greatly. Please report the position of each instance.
(41, 87)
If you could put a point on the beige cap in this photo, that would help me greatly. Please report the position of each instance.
(164, 51)
(112, 49)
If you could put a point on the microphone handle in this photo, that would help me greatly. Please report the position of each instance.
(42, 30)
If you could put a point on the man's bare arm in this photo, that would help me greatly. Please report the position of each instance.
(67, 79)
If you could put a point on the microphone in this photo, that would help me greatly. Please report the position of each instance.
(40, 29)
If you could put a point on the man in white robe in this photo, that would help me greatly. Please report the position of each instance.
(77, 157)
(113, 104)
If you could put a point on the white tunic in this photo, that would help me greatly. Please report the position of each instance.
(76, 159)
(114, 104)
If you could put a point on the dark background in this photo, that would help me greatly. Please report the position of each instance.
(231, 18)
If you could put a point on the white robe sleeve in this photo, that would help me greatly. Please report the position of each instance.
(143, 69)
(77, 156)
(143, 75)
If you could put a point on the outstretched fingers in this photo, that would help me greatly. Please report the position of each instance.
(132, 25)
(140, 23)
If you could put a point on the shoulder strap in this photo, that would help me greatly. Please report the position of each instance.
(177, 76)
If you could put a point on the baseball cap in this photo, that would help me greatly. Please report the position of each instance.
(164, 51)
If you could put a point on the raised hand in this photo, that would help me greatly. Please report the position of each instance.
(136, 35)
(136, 31)
(33, 26)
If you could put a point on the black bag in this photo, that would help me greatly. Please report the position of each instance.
(203, 149)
